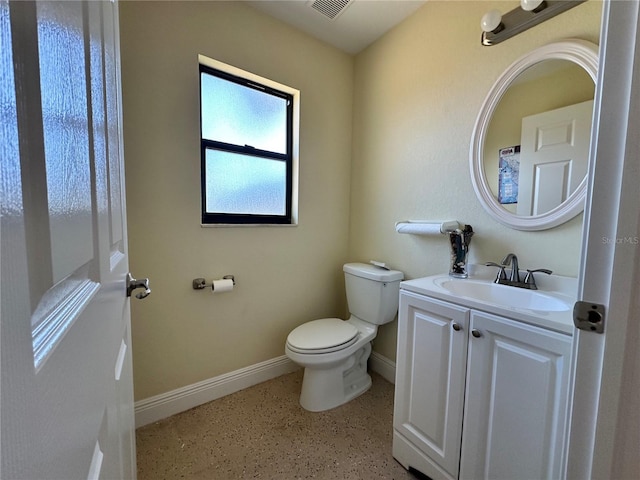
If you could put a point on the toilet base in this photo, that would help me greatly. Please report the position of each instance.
(327, 388)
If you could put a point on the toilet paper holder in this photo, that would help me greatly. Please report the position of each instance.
(201, 283)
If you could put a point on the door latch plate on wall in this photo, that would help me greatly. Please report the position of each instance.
(589, 316)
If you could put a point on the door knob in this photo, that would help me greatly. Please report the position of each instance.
(456, 327)
(476, 333)
(133, 284)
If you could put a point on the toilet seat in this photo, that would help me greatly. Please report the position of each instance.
(322, 336)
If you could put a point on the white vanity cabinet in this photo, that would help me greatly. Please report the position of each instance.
(430, 380)
(504, 380)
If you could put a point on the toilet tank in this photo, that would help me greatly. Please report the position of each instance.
(372, 292)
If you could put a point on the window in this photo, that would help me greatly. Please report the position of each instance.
(248, 146)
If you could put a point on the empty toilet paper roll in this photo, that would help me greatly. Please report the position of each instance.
(221, 286)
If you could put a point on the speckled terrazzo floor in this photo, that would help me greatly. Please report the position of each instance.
(262, 432)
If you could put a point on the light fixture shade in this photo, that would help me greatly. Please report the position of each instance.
(491, 20)
(530, 5)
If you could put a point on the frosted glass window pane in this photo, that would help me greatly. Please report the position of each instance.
(244, 184)
(66, 136)
(10, 193)
(239, 115)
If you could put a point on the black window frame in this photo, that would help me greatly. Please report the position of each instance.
(221, 218)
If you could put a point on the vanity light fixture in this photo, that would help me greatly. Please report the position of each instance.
(497, 28)
(533, 5)
(492, 21)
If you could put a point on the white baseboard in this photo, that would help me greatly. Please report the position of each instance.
(166, 404)
(383, 366)
(170, 403)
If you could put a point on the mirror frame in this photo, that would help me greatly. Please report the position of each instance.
(584, 54)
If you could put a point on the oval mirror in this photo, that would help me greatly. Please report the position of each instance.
(531, 142)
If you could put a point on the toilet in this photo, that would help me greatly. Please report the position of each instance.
(334, 352)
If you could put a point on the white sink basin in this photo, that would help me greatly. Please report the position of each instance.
(551, 306)
(507, 296)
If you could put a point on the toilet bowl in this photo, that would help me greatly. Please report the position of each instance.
(334, 352)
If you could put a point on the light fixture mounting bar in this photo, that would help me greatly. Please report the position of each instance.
(519, 20)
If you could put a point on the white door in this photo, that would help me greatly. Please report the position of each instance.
(554, 154)
(516, 402)
(605, 425)
(67, 395)
(430, 376)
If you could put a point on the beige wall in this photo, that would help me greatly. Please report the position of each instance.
(285, 275)
(412, 99)
(418, 93)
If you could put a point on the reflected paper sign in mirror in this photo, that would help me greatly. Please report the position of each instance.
(508, 168)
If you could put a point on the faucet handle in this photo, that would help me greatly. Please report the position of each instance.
(530, 281)
(501, 273)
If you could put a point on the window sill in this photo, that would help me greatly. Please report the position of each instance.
(241, 225)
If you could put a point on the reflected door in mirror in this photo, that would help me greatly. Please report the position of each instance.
(554, 155)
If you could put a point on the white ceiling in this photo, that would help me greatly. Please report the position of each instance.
(358, 25)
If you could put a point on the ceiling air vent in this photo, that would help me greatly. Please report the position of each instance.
(330, 8)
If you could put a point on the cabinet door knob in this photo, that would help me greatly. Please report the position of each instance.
(476, 333)
(456, 327)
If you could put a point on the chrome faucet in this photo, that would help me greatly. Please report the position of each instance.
(515, 272)
(529, 281)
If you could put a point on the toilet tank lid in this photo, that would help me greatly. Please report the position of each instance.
(373, 272)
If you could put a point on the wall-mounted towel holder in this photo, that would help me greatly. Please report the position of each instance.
(201, 283)
(424, 227)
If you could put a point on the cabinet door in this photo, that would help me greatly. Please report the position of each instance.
(431, 360)
(516, 403)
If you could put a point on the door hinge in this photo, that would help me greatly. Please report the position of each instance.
(589, 316)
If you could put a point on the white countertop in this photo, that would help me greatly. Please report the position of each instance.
(559, 287)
